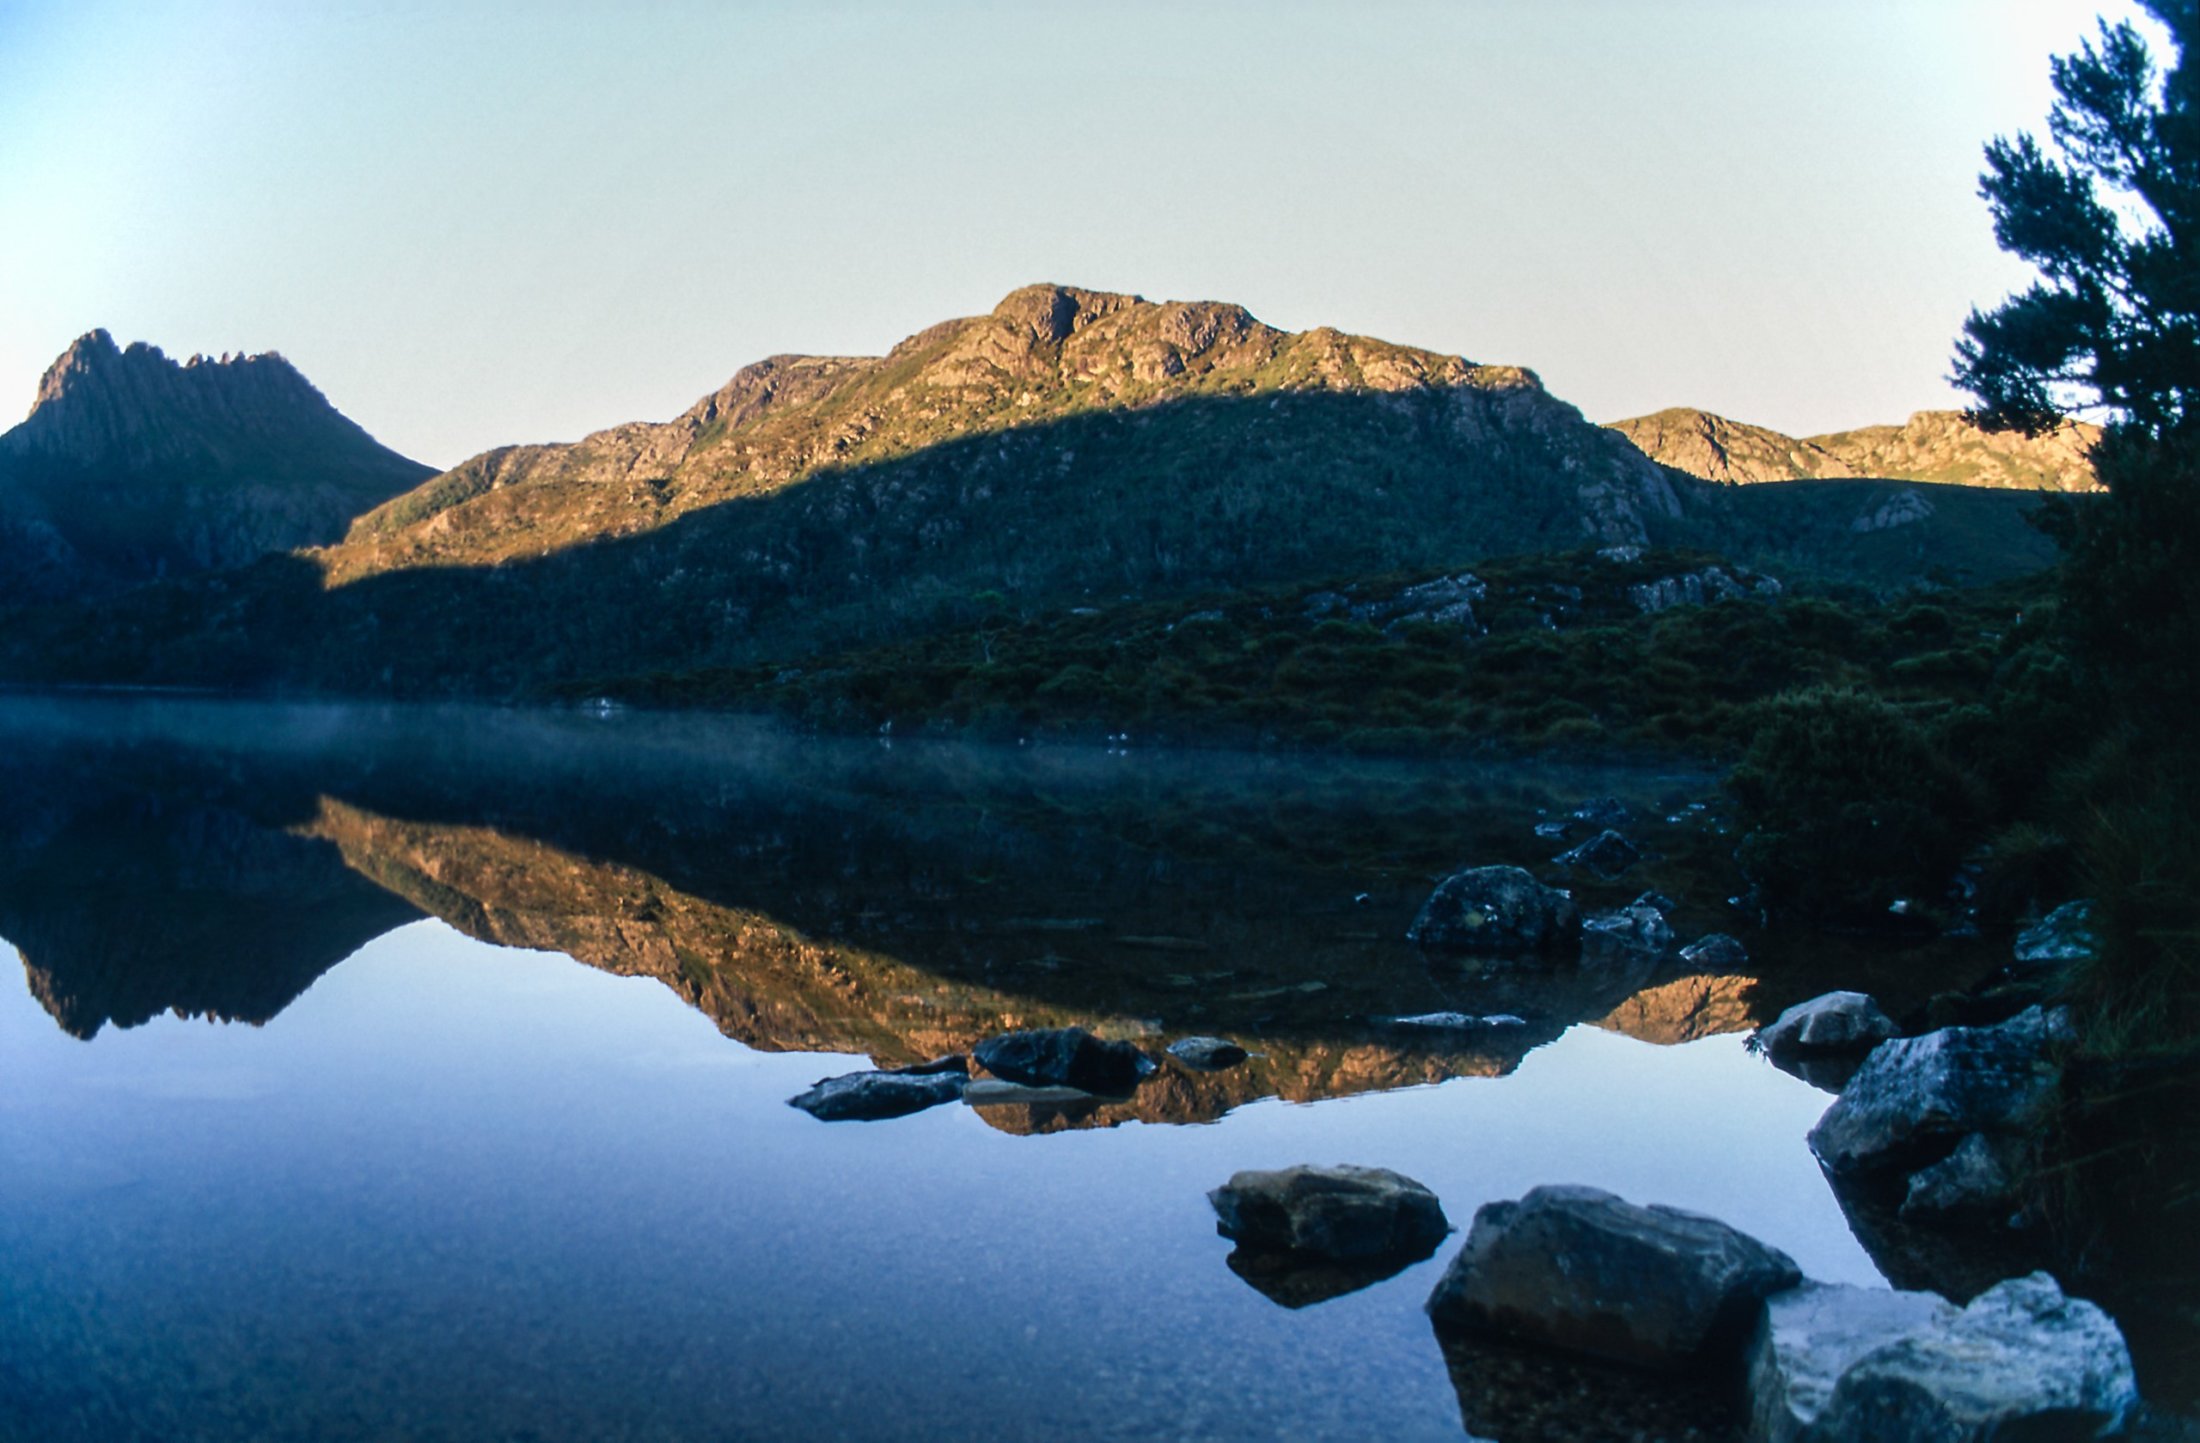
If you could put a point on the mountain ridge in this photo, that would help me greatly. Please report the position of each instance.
(1941, 447)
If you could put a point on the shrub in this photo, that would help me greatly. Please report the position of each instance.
(1849, 808)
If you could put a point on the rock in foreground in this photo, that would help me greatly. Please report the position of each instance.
(1207, 1054)
(2021, 1362)
(1838, 1022)
(1065, 1057)
(1337, 1213)
(1809, 1336)
(1580, 1269)
(1495, 909)
(1916, 1095)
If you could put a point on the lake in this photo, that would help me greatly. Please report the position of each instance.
(384, 1073)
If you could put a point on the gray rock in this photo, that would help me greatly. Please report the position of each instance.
(1806, 1339)
(1579, 1269)
(1551, 831)
(1975, 1178)
(1918, 1094)
(1716, 952)
(2021, 1362)
(1065, 1057)
(1338, 1213)
(1635, 929)
(992, 1092)
(1450, 1022)
(1835, 1023)
(1656, 901)
(1607, 854)
(871, 1096)
(1207, 1054)
(2063, 935)
(1495, 909)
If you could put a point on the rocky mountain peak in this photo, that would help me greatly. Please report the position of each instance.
(133, 407)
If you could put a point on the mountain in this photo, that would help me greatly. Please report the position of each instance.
(1000, 386)
(1939, 446)
(1069, 450)
(131, 467)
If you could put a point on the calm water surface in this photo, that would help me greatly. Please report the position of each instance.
(422, 1075)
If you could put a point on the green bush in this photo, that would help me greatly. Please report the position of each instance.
(1849, 808)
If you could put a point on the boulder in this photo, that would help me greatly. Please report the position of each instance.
(2022, 1361)
(1607, 854)
(1580, 1269)
(1337, 1213)
(1975, 1178)
(1495, 909)
(1065, 1057)
(1630, 929)
(1836, 1023)
(1717, 952)
(1207, 1054)
(871, 1096)
(1806, 1339)
(2063, 935)
(1919, 1095)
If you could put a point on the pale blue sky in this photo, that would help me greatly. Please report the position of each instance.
(475, 224)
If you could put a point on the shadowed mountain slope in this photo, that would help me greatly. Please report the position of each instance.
(1939, 446)
(132, 467)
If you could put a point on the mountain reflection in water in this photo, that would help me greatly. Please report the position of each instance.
(448, 1184)
(898, 903)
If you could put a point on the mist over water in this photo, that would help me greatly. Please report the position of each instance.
(387, 1072)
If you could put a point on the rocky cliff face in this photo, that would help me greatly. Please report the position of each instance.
(1044, 355)
(1939, 446)
(131, 466)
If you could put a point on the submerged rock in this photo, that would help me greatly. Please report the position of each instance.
(872, 1096)
(1607, 854)
(1656, 901)
(1602, 812)
(1495, 909)
(1207, 1054)
(1808, 1336)
(1580, 1269)
(1298, 1280)
(1918, 1094)
(1339, 1213)
(2063, 935)
(1838, 1022)
(1065, 1057)
(1716, 952)
(2022, 1361)
(1450, 1022)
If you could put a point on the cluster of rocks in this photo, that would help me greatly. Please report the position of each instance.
(1036, 1066)
(1701, 588)
(1582, 1273)
(1447, 601)
(1503, 911)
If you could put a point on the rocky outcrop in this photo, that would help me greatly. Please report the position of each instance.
(1580, 1269)
(2022, 1361)
(1341, 1214)
(131, 467)
(1939, 446)
(1701, 588)
(1915, 1098)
